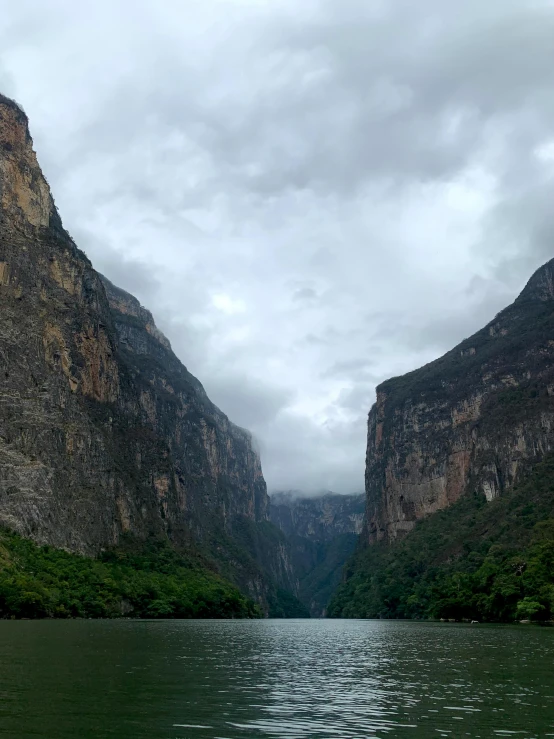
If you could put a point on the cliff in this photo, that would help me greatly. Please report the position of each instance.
(459, 479)
(474, 420)
(103, 432)
(319, 518)
(322, 533)
(475, 560)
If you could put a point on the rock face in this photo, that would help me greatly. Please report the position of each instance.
(103, 432)
(475, 419)
(320, 518)
(322, 533)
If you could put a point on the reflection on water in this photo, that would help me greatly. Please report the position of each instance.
(229, 679)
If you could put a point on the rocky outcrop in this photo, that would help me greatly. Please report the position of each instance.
(103, 432)
(475, 419)
(216, 472)
(322, 533)
(319, 518)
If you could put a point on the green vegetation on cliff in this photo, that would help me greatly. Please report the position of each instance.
(320, 534)
(317, 584)
(475, 560)
(147, 580)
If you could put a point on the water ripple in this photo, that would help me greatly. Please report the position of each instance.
(283, 679)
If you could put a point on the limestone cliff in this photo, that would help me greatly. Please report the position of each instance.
(318, 518)
(103, 432)
(475, 419)
(322, 533)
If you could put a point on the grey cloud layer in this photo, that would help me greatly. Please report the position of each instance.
(309, 197)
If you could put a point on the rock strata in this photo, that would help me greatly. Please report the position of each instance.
(103, 432)
(475, 419)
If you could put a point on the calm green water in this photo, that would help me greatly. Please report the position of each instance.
(228, 679)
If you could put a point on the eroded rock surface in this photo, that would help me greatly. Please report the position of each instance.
(475, 419)
(103, 431)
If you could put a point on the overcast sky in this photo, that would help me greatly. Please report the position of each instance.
(310, 195)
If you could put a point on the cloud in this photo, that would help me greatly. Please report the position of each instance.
(310, 197)
(305, 294)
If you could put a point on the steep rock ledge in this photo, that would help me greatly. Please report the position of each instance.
(103, 432)
(474, 419)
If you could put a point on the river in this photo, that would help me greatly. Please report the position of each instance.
(231, 679)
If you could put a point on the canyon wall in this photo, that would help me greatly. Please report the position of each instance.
(103, 432)
(318, 518)
(322, 533)
(474, 420)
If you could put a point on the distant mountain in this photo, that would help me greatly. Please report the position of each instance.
(321, 533)
(475, 425)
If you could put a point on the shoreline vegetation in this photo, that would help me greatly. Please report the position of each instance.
(136, 580)
(476, 560)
